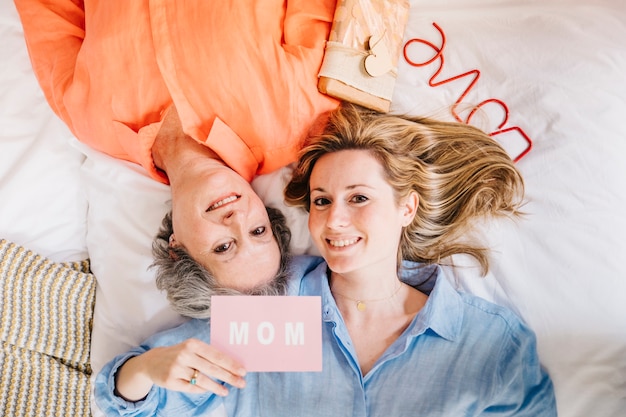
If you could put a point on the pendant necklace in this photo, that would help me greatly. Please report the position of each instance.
(361, 305)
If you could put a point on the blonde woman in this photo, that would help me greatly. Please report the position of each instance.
(397, 338)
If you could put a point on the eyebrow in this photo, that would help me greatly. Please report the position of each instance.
(349, 187)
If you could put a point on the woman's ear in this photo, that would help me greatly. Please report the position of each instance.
(173, 244)
(408, 207)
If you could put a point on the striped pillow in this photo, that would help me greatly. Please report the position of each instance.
(46, 312)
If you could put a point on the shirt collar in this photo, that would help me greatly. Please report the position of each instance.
(317, 284)
(442, 313)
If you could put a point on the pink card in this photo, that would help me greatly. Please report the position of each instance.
(269, 333)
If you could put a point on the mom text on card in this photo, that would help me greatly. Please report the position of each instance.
(266, 333)
(269, 333)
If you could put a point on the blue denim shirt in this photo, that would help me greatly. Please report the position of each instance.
(460, 356)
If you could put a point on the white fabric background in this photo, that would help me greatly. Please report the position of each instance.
(560, 66)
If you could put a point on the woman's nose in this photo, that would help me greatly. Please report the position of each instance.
(337, 216)
(231, 216)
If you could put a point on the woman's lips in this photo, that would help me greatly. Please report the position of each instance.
(223, 201)
(342, 243)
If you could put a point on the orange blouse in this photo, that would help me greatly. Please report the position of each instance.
(241, 73)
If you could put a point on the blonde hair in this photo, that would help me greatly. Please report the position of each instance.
(459, 172)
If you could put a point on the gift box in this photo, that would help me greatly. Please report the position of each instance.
(361, 56)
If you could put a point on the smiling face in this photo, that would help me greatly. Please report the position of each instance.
(223, 224)
(355, 218)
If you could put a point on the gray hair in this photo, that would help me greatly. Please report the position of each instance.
(189, 285)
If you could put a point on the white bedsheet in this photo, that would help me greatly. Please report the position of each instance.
(41, 203)
(558, 66)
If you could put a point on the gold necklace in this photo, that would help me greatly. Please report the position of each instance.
(361, 305)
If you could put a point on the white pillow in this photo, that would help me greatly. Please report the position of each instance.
(126, 207)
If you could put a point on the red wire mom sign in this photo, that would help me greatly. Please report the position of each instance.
(504, 131)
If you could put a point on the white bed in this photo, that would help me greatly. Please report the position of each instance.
(558, 66)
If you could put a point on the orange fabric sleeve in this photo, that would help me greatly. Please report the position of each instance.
(54, 34)
(251, 64)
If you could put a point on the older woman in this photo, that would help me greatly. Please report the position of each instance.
(203, 94)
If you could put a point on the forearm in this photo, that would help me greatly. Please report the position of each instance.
(54, 33)
(131, 381)
(106, 395)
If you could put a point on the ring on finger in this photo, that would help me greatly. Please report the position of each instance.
(194, 377)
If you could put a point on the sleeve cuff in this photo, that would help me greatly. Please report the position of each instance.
(106, 398)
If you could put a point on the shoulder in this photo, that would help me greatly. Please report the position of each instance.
(499, 344)
(475, 319)
(495, 321)
(302, 266)
(305, 275)
(510, 323)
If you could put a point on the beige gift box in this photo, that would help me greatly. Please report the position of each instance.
(361, 56)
